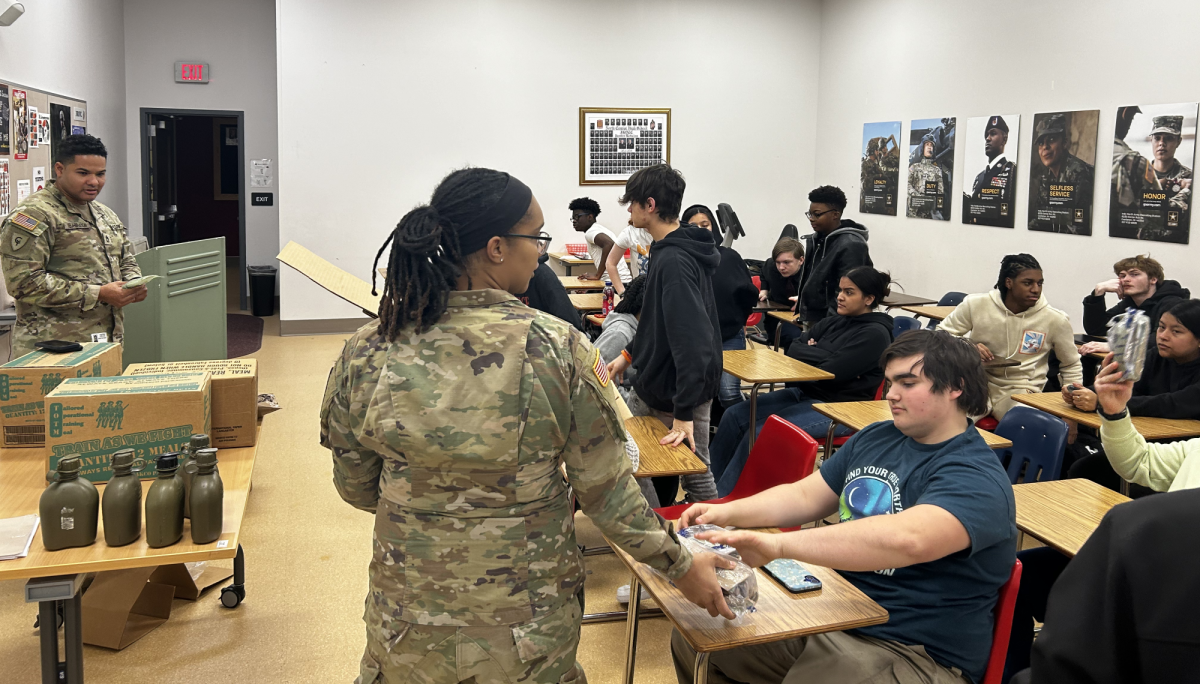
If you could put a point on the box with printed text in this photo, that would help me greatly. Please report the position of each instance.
(234, 396)
(152, 414)
(25, 382)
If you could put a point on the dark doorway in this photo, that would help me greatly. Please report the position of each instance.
(192, 185)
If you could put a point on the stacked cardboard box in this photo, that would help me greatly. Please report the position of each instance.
(25, 382)
(234, 396)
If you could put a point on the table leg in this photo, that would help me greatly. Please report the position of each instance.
(1125, 486)
(753, 411)
(700, 675)
(73, 638)
(829, 434)
(631, 629)
(778, 332)
(48, 635)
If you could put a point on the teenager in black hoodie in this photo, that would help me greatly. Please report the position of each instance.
(677, 348)
(1141, 284)
(780, 284)
(848, 345)
(836, 246)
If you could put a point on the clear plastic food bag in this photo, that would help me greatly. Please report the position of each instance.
(635, 456)
(739, 584)
(1128, 335)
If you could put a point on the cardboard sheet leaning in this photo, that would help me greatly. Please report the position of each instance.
(151, 414)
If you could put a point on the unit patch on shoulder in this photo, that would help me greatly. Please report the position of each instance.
(601, 370)
(19, 240)
(29, 223)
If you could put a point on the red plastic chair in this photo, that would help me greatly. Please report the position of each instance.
(755, 318)
(987, 423)
(782, 453)
(1003, 626)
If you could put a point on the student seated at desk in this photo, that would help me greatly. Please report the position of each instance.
(847, 345)
(620, 326)
(1169, 387)
(1140, 284)
(780, 283)
(1014, 321)
(600, 242)
(928, 531)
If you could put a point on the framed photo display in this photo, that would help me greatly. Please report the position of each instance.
(614, 143)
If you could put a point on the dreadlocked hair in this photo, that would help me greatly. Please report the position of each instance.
(426, 260)
(1012, 266)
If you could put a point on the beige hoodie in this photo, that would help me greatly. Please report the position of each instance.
(1027, 337)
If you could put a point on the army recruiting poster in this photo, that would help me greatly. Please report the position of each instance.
(930, 168)
(1062, 171)
(880, 174)
(1151, 191)
(19, 132)
(990, 179)
(5, 143)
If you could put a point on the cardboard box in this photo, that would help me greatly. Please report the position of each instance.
(234, 396)
(25, 382)
(152, 414)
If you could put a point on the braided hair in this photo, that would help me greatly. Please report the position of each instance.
(426, 261)
(1012, 266)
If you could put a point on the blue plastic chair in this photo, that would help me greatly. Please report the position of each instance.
(1039, 440)
(948, 299)
(902, 324)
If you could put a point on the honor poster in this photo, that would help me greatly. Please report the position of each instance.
(1062, 172)
(880, 175)
(990, 180)
(931, 168)
(1151, 187)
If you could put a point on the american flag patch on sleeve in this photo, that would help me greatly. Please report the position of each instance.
(25, 221)
(601, 370)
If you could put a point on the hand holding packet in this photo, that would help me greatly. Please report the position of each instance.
(1128, 335)
(739, 584)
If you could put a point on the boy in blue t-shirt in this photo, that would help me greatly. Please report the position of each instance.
(928, 532)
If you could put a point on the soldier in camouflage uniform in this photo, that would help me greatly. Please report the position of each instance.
(925, 171)
(65, 255)
(452, 419)
(1056, 165)
(1174, 178)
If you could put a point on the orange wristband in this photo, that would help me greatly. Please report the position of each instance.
(625, 353)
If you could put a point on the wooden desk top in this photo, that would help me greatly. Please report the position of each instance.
(590, 301)
(1149, 428)
(572, 283)
(655, 459)
(1001, 363)
(856, 415)
(1063, 513)
(1094, 355)
(23, 478)
(595, 320)
(565, 258)
(759, 366)
(780, 614)
(768, 305)
(937, 313)
(787, 315)
(902, 299)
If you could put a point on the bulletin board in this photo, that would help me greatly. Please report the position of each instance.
(31, 123)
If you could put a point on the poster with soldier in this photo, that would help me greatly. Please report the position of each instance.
(931, 168)
(60, 128)
(1151, 191)
(1062, 171)
(880, 176)
(20, 125)
(990, 192)
(5, 140)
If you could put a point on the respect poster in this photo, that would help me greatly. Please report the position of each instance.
(988, 198)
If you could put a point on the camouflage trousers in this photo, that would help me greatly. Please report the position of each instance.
(536, 653)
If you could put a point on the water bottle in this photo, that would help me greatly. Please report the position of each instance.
(70, 508)
(122, 502)
(208, 495)
(609, 294)
(164, 504)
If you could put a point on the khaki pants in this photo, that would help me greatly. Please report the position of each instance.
(832, 658)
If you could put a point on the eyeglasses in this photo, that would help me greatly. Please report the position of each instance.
(814, 215)
(541, 239)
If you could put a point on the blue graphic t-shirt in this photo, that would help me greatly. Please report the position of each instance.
(945, 605)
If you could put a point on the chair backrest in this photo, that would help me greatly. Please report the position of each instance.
(902, 324)
(952, 299)
(1039, 440)
(1003, 626)
(881, 389)
(782, 453)
(757, 281)
(789, 231)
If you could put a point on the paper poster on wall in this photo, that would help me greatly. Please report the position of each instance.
(60, 128)
(989, 199)
(880, 174)
(39, 178)
(80, 114)
(43, 129)
(1062, 172)
(22, 190)
(78, 130)
(1151, 185)
(4, 188)
(261, 173)
(931, 168)
(5, 140)
(614, 143)
(20, 124)
(32, 127)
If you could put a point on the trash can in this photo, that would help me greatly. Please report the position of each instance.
(262, 290)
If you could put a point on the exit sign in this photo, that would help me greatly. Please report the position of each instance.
(191, 72)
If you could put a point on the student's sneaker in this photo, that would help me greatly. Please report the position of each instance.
(623, 594)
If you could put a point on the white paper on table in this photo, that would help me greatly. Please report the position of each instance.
(16, 536)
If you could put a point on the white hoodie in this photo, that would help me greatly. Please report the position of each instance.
(1028, 337)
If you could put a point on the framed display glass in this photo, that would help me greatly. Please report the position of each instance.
(614, 143)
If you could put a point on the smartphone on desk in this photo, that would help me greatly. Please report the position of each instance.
(792, 575)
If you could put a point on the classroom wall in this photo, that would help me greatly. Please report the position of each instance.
(237, 39)
(379, 99)
(883, 60)
(76, 48)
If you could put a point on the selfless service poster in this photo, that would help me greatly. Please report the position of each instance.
(931, 168)
(1062, 172)
(1151, 188)
(880, 176)
(990, 180)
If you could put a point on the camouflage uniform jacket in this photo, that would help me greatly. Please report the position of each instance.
(920, 173)
(56, 255)
(1180, 194)
(456, 438)
(1131, 173)
(1074, 171)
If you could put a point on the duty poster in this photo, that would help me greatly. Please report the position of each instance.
(1062, 172)
(880, 175)
(1150, 197)
(20, 125)
(931, 168)
(989, 198)
(5, 140)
